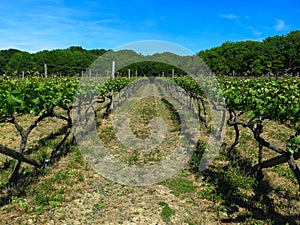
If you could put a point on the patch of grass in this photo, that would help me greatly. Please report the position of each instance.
(209, 193)
(60, 177)
(77, 159)
(68, 177)
(285, 172)
(230, 185)
(52, 199)
(253, 221)
(197, 156)
(39, 209)
(42, 153)
(166, 212)
(102, 190)
(51, 191)
(20, 204)
(180, 186)
(189, 222)
(80, 177)
(242, 181)
(4, 177)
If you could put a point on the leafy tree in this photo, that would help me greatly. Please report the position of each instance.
(21, 61)
(277, 55)
(5, 56)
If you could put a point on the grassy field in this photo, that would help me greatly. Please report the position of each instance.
(71, 192)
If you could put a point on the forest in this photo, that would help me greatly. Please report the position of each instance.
(273, 56)
(276, 55)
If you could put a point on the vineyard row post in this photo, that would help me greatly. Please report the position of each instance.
(45, 70)
(113, 69)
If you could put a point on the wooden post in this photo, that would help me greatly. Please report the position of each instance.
(23, 75)
(45, 69)
(136, 73)
(129, 73)
(163, 74)
(90, 72)
(81, 73)
(173, 72)
(113, 69)
(113, 77)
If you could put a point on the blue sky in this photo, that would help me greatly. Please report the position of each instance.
(34, 25)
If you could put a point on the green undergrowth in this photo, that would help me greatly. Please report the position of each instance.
(166, 212)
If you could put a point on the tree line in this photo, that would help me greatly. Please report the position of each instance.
(66, 62)
(277, 55)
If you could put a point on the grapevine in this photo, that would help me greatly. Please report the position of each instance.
(260, 99)
(44, 98)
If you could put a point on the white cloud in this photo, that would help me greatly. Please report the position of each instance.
(280, 26)
(239, 20)
(228, 16)
(255, 32)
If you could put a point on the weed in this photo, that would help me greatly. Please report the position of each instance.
(197, 156)
(52, 199)
(166, 212)
(42, 153)
(20, 204)
(285, 172)
(189, 222)
(39, 209)
(180, 186)
(209, 193)
(80, 177)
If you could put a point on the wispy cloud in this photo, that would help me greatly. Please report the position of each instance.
(240, 21)
(228, 16)
(280, 25)
(255, 32)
